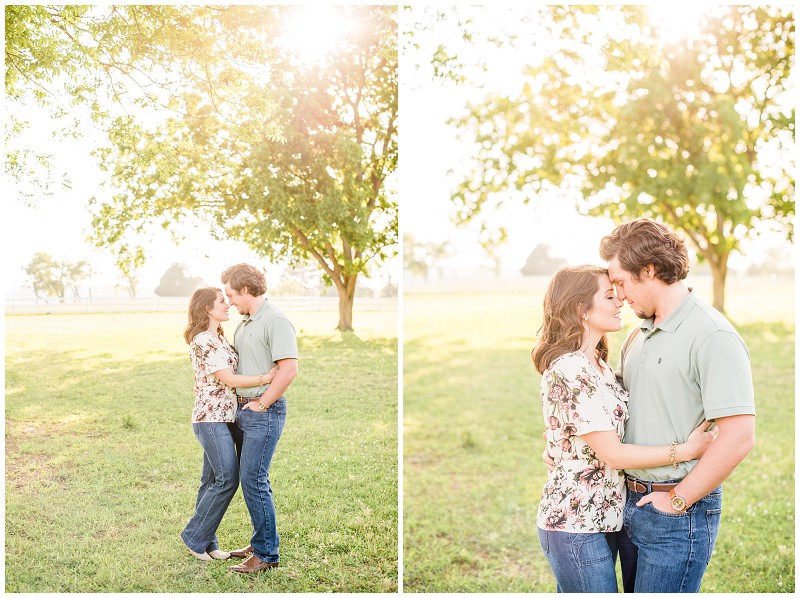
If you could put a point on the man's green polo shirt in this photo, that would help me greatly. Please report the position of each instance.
(692, 366)
(261, 339)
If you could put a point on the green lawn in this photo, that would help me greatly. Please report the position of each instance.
(472, 445)
(102, 466)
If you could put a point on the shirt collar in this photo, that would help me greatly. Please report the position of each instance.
(258, 314)
(675, 319)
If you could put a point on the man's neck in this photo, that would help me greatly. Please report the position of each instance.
(256, 304)
(669, 299)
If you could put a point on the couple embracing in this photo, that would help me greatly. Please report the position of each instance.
(681, 400)
(239, 411)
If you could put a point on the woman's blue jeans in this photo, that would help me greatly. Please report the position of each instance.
(581, 562)
(261, 431)
(218, 484)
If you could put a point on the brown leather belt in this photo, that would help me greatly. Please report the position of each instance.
(243, 400)
(647, 487)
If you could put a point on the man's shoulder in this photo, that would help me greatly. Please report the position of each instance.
(707, 319)
(274, 313)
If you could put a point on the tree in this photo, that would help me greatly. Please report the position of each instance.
(129, 261)
(696, 132)
(177, 282)
(50, 277)
(541, 262)
(317, 191)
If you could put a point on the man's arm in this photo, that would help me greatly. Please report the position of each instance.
(287, 371)
(737, 436)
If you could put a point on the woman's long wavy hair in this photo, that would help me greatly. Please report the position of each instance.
(200, 304)
(569, 295)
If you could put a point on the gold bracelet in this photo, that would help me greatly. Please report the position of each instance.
(261, 379)
(672, 448)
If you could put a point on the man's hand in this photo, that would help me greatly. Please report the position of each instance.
(252, 406)
(659, 500)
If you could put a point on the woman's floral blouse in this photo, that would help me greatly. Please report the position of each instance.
(582, 494)
(214, 401)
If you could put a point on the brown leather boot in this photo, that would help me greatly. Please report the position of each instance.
(252, 565)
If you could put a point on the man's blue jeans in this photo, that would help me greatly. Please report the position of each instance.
(261, 431)
(673, 549)
(218, 484)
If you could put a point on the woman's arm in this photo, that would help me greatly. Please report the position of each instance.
(240, 381)
(618, 455)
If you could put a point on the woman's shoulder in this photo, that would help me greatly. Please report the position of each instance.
(568, 361)
(204, 338)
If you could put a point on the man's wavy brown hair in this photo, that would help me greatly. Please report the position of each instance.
(643, 241)
(243, 276)
(570, 294)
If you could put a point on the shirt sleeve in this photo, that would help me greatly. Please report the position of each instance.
(282, 339)
(579, 401)
(215, 356)
(724, 375)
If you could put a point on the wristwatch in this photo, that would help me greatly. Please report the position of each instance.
(262, 406)
(678, 502)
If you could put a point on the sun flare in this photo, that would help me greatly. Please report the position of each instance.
(675, 21)
(313, 31)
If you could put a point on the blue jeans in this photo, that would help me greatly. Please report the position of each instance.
(261, 431)
(673, 549)
(218, 484)
(581, 562)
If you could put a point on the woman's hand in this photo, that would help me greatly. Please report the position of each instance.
(699, 440)
(548, 460)
(269, 376)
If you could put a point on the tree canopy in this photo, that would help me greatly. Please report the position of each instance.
(234, 130)
(695, 131)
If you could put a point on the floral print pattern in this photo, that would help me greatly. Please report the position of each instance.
(214, 401)
(582, 493)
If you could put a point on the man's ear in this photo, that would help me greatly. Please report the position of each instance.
(649, 271)
(244, 290)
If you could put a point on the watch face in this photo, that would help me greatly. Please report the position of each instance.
(678, 503)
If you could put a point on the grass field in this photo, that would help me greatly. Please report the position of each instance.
(102, 467)
(472, 445)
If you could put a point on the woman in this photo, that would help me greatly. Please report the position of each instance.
(214, 361)
(584, 410)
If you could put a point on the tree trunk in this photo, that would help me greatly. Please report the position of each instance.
(347, 293)
(719, 271)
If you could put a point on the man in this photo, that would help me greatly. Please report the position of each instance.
(263, 338)
(685, 363)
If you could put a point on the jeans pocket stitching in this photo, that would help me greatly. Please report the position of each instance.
(578, 545)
